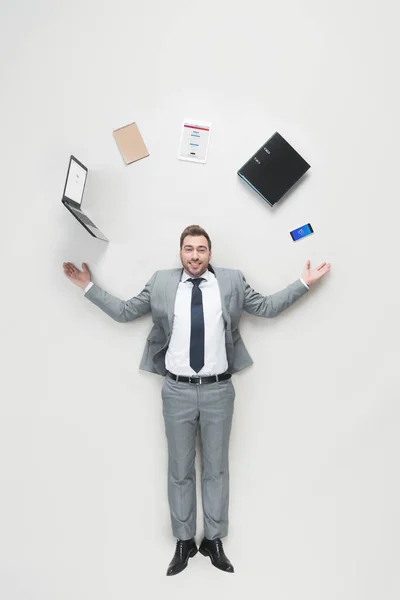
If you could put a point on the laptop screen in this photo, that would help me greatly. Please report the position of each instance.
(75, 184)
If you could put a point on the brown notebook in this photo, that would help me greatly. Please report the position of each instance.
(130, 143)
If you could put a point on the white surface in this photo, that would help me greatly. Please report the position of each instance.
(315, 440)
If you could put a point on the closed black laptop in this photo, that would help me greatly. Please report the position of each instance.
(73, 196)
(273, 169)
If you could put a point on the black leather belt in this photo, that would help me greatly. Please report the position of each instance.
(200, 380)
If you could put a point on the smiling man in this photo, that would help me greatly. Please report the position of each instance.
(195, 345)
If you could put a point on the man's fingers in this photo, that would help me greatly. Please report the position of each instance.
(69, 269)
(321, 266)
(322, 270)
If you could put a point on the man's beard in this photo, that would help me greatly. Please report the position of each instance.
(199, 273)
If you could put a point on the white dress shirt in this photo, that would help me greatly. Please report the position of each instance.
(177, 356)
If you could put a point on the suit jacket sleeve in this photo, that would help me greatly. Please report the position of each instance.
(271, 306)
(122, 310)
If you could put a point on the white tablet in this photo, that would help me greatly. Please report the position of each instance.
(195, 139)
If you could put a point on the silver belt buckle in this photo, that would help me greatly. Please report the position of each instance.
(199, 380)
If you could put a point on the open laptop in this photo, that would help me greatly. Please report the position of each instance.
(273, 169)
(73, 195)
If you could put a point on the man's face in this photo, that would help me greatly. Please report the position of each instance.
(195, 255)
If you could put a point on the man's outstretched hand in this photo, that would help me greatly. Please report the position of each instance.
(310, 276)
(80, 278)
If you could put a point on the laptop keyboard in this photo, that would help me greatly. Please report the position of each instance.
(83, 217)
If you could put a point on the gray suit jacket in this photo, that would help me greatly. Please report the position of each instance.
(158, 296)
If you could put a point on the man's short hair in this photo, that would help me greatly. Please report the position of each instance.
(195, 230)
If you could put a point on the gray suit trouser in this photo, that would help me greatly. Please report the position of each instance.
(188, 408)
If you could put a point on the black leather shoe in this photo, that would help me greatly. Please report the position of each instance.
(214, 549)
(185, 549)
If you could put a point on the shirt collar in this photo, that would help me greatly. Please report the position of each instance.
(207, 275)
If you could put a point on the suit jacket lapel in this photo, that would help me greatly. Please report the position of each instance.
(225, 290)
(170, 294)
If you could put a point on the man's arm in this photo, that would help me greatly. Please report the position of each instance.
(271, 306)
(119, 310)
(122, 310)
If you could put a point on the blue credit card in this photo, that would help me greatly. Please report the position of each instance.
(301, 232)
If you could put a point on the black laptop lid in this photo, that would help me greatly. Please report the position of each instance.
(273, 169)
(75, 182)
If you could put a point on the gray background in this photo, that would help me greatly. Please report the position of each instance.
(314, 454)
